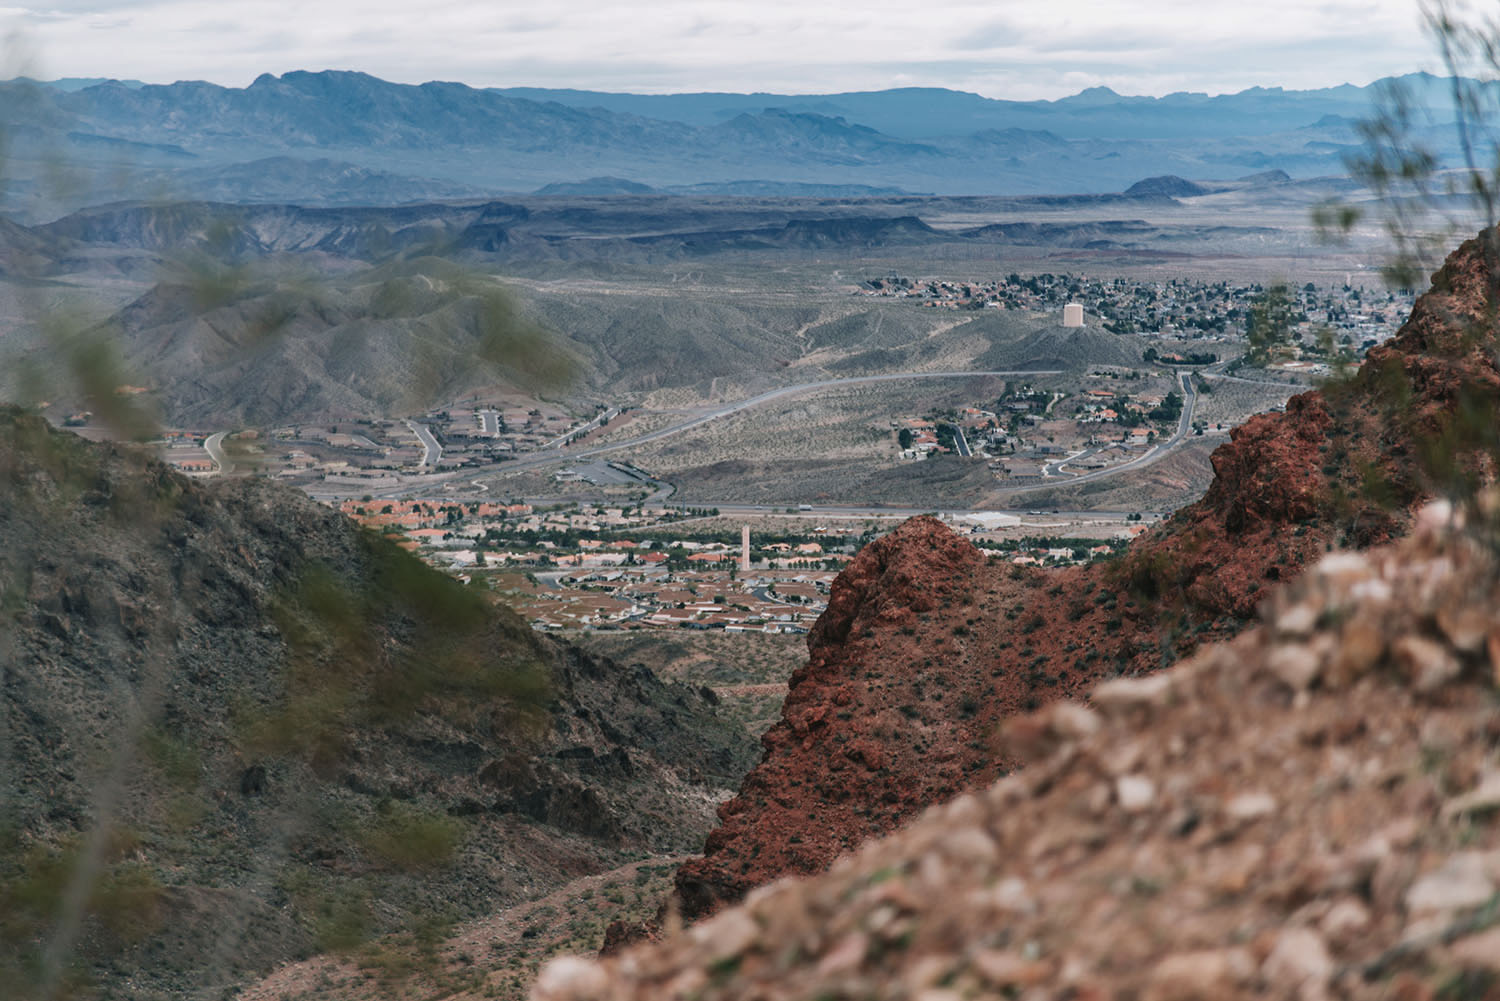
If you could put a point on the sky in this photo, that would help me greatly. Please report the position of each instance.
(999, 48)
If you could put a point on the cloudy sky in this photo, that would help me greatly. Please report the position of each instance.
(999, 48)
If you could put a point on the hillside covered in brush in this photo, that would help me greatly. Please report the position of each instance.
(240, 729)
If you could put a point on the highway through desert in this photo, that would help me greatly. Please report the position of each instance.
(1054, 474)
(553, 454)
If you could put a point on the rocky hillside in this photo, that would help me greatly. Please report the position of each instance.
(1308, 811)
(237, 729)
(927, 645)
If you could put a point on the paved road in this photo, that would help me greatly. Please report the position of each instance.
(1184, 426)
(961, 443)
(562, 439)
(535, 460)
(1056, 468)
(1157, 451)
(214, 446)
(776, 394)
(874, 513)
(432, 452)
(1290, 387)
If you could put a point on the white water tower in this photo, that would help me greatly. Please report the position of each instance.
(1073, 315)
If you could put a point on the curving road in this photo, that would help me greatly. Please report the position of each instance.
(536, 460)
(432, 452)
(961, 443)
(562, 439)
(214, 446)
(776, 394)
(1157, 451)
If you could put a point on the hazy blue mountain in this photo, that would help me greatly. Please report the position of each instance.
(70, 83)
(805, 133)
(786, 189)
(1167, 185)
(1095, 113)
(338, 137)
(596, 186)
(319, 181)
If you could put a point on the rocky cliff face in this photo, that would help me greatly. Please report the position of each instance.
(236, 728)
(1307, 811)
(927, 645)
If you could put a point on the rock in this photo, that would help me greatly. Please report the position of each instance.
(1478, 952)
(1072, 721)
(1121, 695)
(925, 972)
(1297, 621)
(1435, 519)
(1361, 645)
(1460, 882)
(1298, 964)
(1341, 569)
(845, 956)
(939, 994)
(1427, 664)
(1250, 806)
(1295, 664)
(726, 935)
(1467, 628)
(1029, 738)
(1345, 920)
(969, 845)
(1005, 969)
(1135, 793)
(1483, 798)
(1492, 647)
(570, 977)
(1011, 894)
(1371, 592)
(1196, 976)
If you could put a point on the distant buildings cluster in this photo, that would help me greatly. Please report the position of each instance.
(1180, 307)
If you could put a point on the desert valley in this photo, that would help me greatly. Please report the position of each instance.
(521, 542)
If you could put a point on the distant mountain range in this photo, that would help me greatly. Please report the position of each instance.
(338, 138)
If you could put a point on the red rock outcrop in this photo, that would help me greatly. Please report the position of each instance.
(927, 645)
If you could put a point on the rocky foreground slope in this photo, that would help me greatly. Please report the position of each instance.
(1309, 811)
(927, 645)
(236, 729)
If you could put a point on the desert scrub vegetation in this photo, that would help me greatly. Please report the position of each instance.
(409, 837)
(338, 675)
(493, 957)
(107, 895)
(747, 672)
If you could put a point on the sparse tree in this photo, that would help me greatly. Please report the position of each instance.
(1269, 324)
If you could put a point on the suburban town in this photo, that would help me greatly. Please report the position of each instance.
(624, 568)
(1118, 414)
(1178, 307)
(630, 559)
